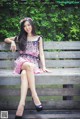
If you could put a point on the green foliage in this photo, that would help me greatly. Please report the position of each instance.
(53, 22)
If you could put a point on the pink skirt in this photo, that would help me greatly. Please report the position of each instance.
(19, 62)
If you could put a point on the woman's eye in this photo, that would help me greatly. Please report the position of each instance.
(28, 24)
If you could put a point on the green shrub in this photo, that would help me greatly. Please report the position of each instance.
(53, 21)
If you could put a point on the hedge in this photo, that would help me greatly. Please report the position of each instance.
(57, 22)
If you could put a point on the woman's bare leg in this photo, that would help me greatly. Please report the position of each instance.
(31, 80)
(24, 88)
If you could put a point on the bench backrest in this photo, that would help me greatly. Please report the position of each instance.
(58, 55)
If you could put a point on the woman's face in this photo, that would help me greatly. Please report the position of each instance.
(27, 27)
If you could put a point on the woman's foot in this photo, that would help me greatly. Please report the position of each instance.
(37, 104)
(18, 117)
(20, 111)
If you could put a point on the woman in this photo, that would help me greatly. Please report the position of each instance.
(31, 49)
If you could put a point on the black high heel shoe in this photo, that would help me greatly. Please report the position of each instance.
(39, 108)
(18, 117)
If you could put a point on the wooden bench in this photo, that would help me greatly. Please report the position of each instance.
(59, 90)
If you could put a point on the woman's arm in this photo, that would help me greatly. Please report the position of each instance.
(9, 40)
(42, 58)
(12, 41)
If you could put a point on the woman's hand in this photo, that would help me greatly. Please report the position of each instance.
(13, 46)
(45, 69)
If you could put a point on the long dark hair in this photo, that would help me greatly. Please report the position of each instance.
(22, 38)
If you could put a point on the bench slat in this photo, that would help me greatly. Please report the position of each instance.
(12, 104)
(66, 45)
(62, 54)
(74, 45)
(49, 63)
(49, 55)
(43, 92)
(43, 80)
(54, 72)
(8, 55)
(62, 63)
(48, 114)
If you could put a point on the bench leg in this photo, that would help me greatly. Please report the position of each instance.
(68, 97)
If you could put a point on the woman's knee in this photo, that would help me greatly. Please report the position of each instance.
(28, 66)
